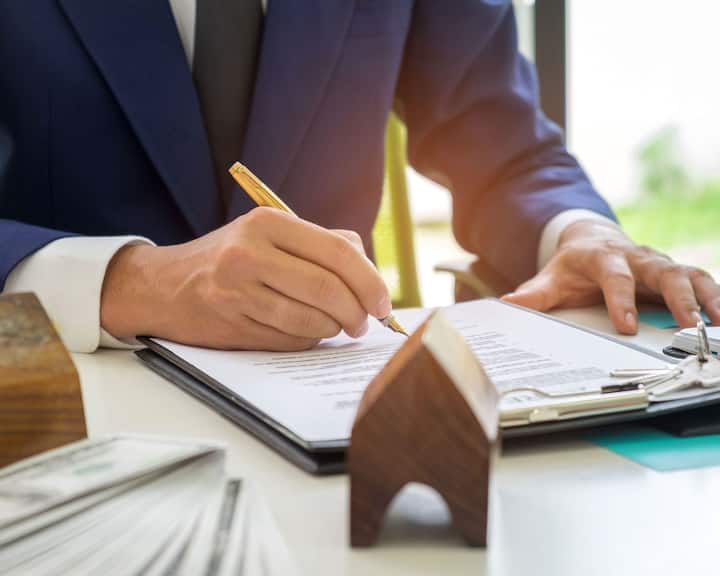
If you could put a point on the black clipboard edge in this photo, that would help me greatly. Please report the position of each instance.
(320, 463)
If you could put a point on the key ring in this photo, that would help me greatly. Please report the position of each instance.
(703, 353)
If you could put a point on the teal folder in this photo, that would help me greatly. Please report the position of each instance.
(660, 450)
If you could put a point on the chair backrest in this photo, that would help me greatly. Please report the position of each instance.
(393, 234)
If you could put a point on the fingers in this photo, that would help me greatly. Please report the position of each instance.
(335, 253)
(223, 330)
(290, 316)
(670, 280)
(606, 261)
(708, 294)
(539, 293)
(684, 289)
(257, 336)
(679, 295)
(612, 273)
(316, 287)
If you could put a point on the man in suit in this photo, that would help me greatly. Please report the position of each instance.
(125, 115)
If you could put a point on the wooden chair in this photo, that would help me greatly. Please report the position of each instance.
(393, 234)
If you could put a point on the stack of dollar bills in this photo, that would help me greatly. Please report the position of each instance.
(134, 505)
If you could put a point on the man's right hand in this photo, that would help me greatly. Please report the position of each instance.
(266, 281)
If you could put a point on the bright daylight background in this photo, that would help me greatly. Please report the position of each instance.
(643, 118)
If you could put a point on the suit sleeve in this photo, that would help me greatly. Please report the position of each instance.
(17, 239)
(64, 270)
(470, 103)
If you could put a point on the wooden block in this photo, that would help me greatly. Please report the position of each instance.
(430, 416)
(40, 399)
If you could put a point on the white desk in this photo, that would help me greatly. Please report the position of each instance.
(557, 508)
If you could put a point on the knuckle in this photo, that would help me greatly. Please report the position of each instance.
(343, 250)
(304, 320)
(601, 258)
(687, 304)
(355, 240)
(647, 251)
(261, 216)
(235, 254)
(215, 296)
(672, 269)
(353, 236)
(327, 287)
(279, 312)
(615, 246)
(622, 276)
(284, 317)
(683, 301)
(300, 344)
(698, 274)
(645, 255)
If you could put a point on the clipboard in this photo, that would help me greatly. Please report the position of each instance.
(325, 459)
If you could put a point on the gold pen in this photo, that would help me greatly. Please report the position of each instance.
(263, 196)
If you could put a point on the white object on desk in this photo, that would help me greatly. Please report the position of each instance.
(558, 508)
(313, 395)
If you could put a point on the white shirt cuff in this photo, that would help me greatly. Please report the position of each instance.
(67, 276)
(550, 237)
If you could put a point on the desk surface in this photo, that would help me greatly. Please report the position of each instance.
(560, 507)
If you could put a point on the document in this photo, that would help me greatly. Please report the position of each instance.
(313, 396)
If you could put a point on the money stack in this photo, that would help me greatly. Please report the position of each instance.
(134, 505)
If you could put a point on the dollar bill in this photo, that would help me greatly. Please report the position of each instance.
(131, 505)
(60, 476)
(123, 535)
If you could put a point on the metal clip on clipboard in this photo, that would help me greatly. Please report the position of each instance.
(551, 407)
(695, 375)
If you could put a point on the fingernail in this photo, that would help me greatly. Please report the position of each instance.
(362, 330)
(630, 321)
(696, 317)
(384, 307)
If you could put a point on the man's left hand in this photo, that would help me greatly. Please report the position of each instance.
(596, 260)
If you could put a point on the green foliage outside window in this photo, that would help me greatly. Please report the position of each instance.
(674, 208)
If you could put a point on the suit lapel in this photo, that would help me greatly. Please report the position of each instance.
(302, 42)
(136, 46)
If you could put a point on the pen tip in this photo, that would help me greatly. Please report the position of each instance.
(392, 323)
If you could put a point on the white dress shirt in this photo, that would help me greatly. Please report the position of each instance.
(67, 275)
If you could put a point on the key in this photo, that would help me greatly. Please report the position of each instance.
(701, 371)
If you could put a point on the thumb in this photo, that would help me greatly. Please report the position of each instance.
(539, 293)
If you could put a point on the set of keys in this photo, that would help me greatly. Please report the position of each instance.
(701, 372)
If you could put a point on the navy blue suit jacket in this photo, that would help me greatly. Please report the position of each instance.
(5, 151)
(109, 139)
